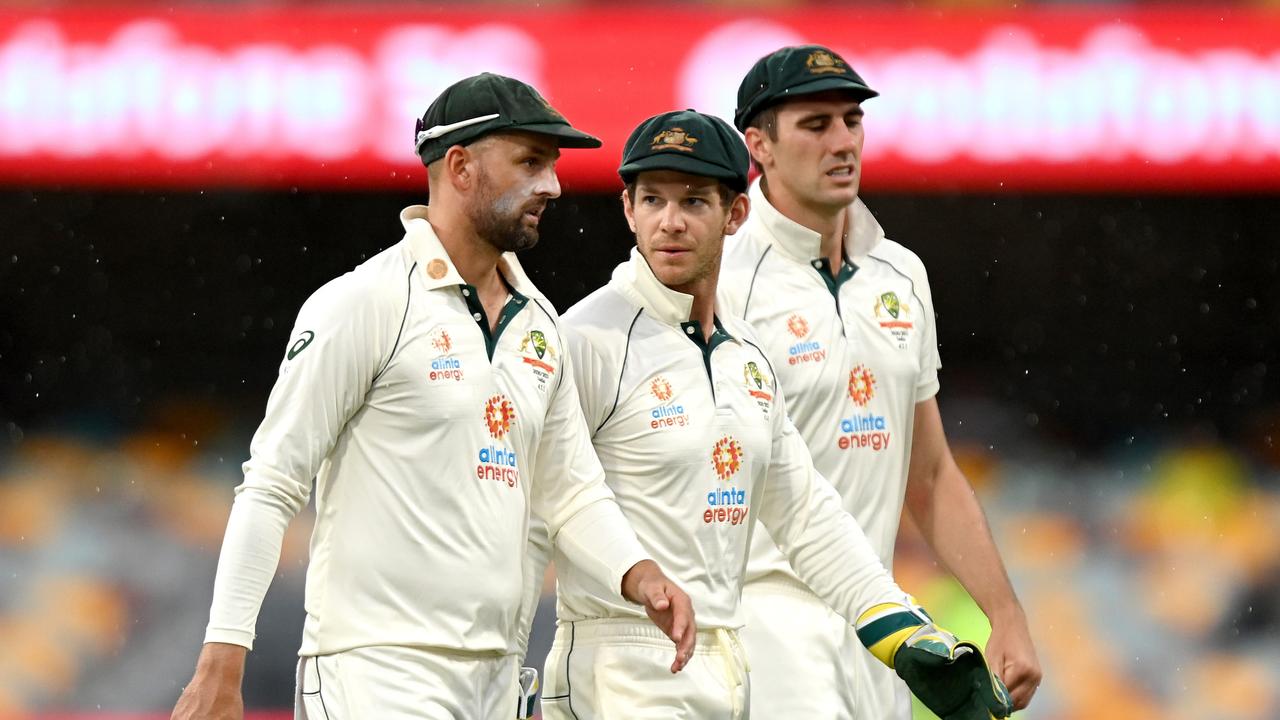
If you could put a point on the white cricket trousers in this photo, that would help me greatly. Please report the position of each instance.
(621, 669)
(399, 683)
(807, 662)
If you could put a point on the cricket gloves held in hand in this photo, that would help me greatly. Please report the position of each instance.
(950, 677)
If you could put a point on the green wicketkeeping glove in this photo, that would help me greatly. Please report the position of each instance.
(950, 677)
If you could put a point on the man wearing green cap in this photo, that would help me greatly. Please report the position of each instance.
(691, 427)
(847, 318)
(429, 394)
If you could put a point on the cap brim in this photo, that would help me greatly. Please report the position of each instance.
(670, 160)
(859, 91)
(566, 135)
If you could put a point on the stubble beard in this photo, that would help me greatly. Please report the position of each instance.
(499, 219)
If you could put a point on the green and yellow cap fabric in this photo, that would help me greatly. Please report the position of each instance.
(687, 141)
(795, 72)
(487, 103)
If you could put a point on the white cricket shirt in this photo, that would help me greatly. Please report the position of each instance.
(855, 355)
(430, 440)
(696, 446)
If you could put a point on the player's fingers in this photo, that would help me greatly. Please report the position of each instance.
(657, 596)
(1022, 682)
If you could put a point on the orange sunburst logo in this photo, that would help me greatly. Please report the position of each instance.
(862, 385)
(441, 341)
(797, 326)
(661, 389)
(499, 413)
(726, 456)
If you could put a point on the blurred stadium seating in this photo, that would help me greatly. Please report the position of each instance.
(1152, 580)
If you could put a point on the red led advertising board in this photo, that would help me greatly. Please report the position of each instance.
(1050, 99)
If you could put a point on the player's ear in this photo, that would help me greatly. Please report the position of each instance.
(628, 208)
(759, 146)
(459, 166)
(739, 209)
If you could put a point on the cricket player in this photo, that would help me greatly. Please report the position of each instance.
(430, 394)
(846, 317)
(692, 430)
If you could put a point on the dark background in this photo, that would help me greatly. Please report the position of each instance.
(1100, 319)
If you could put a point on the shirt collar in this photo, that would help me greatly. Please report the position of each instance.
(436, 267)
(802, 244)
(635, 280)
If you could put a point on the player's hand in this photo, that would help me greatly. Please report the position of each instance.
(214, 691)
(950, 677)
(1013, 657)
(666, 605)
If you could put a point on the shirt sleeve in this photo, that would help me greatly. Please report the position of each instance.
(930, 361)
(570, 495)
(536, 559)
(334, 353)
(825, 545)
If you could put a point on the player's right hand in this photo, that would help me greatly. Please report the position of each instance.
(950, 677)
(214, 691)
(667, 606)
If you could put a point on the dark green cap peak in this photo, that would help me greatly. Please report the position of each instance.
(687, 141)
(486, 103)
(794, 72)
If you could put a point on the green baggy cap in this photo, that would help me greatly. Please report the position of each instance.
(687, 141)
(794, 72)
(486, 103)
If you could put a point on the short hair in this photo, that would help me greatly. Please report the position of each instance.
(726, 193)
(766, 121)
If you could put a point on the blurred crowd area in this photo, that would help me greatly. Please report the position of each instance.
(1151, 575)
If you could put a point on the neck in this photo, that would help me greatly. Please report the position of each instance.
(703, 310)
(475, 259)
(830, 223)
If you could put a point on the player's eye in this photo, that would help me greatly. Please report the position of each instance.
(650, 199)
(695, 201)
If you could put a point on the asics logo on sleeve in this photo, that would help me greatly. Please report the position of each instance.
(304, 339)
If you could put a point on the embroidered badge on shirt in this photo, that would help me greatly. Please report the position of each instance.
(759, 386)
(894, 316)
(538, 354)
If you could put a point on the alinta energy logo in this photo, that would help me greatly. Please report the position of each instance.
(863, 431)
(667, 414)
(804, 351)
(444, 367)
(498, 463)
(726, 504)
